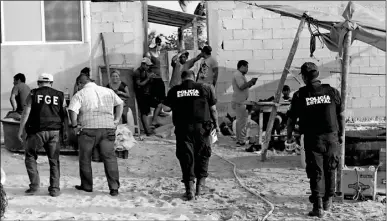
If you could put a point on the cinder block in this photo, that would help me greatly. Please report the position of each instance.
(113, 7)
(112, 39)
(233, 44)
(377, 81)
(361, 102)
(125, 49)
(378, 102)
(128, 16)
(226, 5)
(111, 16)
(98, 7)
(128, 37)
(321, 53)
(304, 43)
(358, 81)
(284, 33)
(382, 70)
(354, 92)
(273, 23)
(96, 17)
(358, 43)
(263, 54)
(360, 62)
(225, 55)
(365, 51)
(241, 5)
(231, 64)
(377, 61)
(243, 34)
(252, 44)
(123, 27)
(232, 24)
(242, 13)
(272, 44)
(226, 34)
(102, 27)
(281, 53)
(116, 58)
(369, 70)
(369, 91)
(275, 64)
(252, 23)
(263, 13)
(242, 54)
(263, 34)
(382, 91)
(302, 53)
(225, 14)
(256, 65)
(290, 22)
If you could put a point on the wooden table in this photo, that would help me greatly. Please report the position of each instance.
(266, 107)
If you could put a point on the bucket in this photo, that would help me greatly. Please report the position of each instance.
(11, 129)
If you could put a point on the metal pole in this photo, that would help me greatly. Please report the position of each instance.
(345, 68)
(145, 25)
(280, 86)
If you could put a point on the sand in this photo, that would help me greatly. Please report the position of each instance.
(151, 189)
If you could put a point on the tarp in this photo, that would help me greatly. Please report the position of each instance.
(365, 26)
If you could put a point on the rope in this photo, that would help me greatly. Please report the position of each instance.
(358, 193)
(241, 183)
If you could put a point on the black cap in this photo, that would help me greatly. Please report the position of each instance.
(207, 49)
(309, 70)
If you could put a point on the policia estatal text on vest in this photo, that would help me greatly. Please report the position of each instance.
(42, 119)
(194, 116)
(319, 110)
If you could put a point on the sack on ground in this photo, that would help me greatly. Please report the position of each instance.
(124, 138)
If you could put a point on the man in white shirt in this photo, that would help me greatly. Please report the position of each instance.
(92, 117)
(241, 87)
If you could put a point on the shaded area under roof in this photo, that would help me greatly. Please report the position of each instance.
(169, 17)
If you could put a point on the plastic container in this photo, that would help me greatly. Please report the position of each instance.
(11, 129)
(130, 121)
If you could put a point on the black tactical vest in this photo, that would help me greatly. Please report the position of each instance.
(190, 105)
(47, 112)
(318, 110)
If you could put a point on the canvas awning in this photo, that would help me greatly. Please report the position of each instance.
(364, 25)
(171, 18)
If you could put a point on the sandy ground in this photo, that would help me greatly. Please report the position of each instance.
(151, 189)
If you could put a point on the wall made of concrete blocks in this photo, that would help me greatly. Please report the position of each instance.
(121, 23)
(264, 39)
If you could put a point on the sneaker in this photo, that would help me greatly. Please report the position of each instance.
(31, 191)
(78, 187)
(113, 192)
(54, 193)
(240, 144)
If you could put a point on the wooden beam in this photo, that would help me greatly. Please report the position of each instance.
(345, 68)
(207, 23)
(105, 57)
(195, 34)
(145, 26)
(285, 72)
(180, 38)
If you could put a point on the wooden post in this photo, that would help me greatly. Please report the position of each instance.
(280, 86)
(105, 57)
(345, 68)
(145, 25)
(207, 22)
(180, 38)
(195, 34)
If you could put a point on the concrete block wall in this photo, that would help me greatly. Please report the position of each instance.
(263, 38)
(122, 23)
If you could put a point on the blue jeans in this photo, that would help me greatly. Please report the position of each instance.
(49, 141)
(103, 139)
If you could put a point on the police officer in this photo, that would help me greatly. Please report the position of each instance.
(42, 120)
(318, 107)
(194, 116)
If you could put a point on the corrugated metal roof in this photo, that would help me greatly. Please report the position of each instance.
(170, 17)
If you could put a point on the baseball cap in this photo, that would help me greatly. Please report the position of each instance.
(207, 49)
(310, 70)
(46, 77)
(146, 61)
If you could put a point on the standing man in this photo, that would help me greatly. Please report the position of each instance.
(179, 64)
(19, 93)
(208, 72)
(142, 79)
(42, 119)
(194, 116)
(92, 117)
(241, 87)
(318, 107)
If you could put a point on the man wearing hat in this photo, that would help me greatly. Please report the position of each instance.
(319, 110)
(181, 63)
(42, 119)
(145, 100)
(208, 72)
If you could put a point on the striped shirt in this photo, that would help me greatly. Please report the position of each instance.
(94, 105)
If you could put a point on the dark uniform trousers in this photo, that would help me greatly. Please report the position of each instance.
(49, 141)
(322, 158)
(193, 150)
(103, 139)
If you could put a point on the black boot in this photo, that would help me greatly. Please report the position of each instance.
(327, 203)
(200, 183)
(189, 195)
(317, 208)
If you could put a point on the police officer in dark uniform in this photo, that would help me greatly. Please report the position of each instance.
(194, 116)
(319, 110)
(42, 119)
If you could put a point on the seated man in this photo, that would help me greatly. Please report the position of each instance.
(19, 94)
